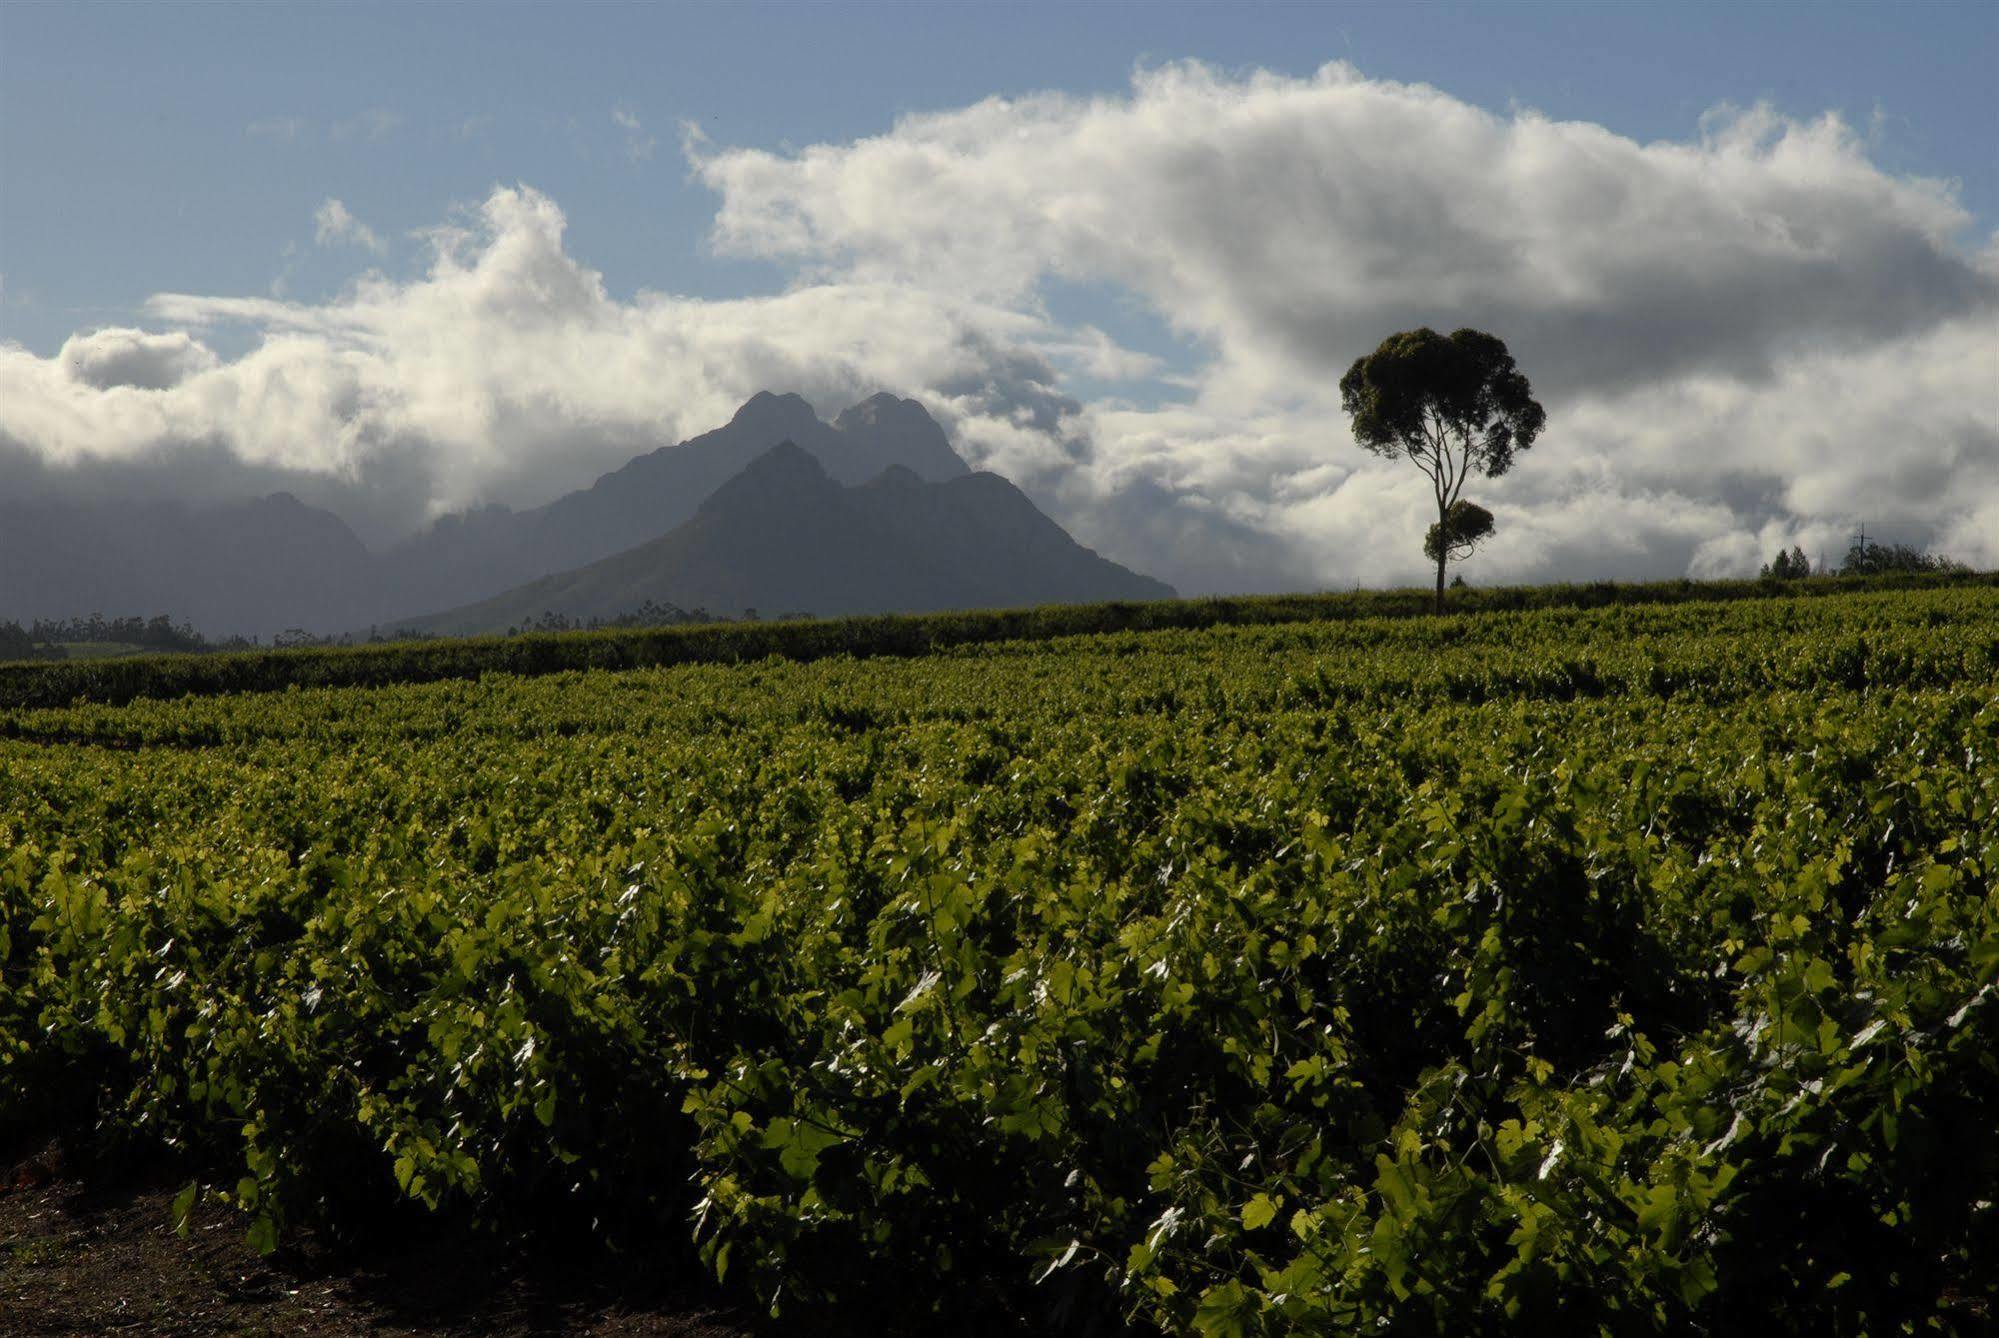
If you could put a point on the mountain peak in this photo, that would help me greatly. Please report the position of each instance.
(788, 457)
(788, 413)
(786, 470)
(883, 409)
(884, 429)
(896, 476)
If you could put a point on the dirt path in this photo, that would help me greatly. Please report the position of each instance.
(80, 1258)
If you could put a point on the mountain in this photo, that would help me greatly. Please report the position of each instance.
(462, 558)
(883, 432)
(785, 535)
(260, 566)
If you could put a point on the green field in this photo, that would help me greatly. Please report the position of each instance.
(1625, 969)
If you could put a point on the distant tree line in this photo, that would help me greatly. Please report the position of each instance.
(1864, 558)
(1867, 558)
(652, 613)
(16, 644)
(44, 638)
(649, 614)
(159, 632)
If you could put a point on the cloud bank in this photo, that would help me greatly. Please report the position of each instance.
(1750, 338)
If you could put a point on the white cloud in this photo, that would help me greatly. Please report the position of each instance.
(639, 145)
(505, 371)
(276, 127)
(1748, 339)
(1285, 221)
(334, 225)
(374, 123)
(124, 358)
(1690, 312)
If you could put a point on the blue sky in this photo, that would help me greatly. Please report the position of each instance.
(405, 259)
(131, 165)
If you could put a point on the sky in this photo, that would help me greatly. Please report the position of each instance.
(405, 259)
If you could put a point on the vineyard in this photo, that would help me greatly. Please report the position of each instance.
(1626, 969)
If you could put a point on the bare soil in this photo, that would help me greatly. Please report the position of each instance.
(86, 1252)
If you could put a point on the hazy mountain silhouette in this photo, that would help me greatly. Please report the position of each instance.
(462, 558)
(256, 566)
(260, 566)
(785, 535)
(873, 511)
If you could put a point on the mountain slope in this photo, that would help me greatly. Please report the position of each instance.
(785, 536)
(255, 566)
(463, 558)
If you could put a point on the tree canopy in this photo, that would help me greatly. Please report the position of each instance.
(1791, 566)
(1868, 558)
(1458, 533)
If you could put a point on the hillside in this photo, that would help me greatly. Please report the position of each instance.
(785, 536)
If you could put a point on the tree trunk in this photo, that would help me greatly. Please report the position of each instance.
(1443, 551)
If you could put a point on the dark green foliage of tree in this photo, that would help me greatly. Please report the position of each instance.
(651, 613)
(159, 632)
(1453, 404)
(1458, 533)
(1867, 558)
(15, 643)
(1791, 566)
(297, 638)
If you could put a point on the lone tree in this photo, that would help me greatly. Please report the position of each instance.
(1453, 405)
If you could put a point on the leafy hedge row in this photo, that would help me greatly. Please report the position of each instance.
(121, 680)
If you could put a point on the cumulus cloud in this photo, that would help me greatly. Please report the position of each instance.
(1759, 299)
(132, 359)
(503, 372)
(334, 225)
(1749, 338)
(1284, 222)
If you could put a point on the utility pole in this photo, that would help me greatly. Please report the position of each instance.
(1860, 541)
